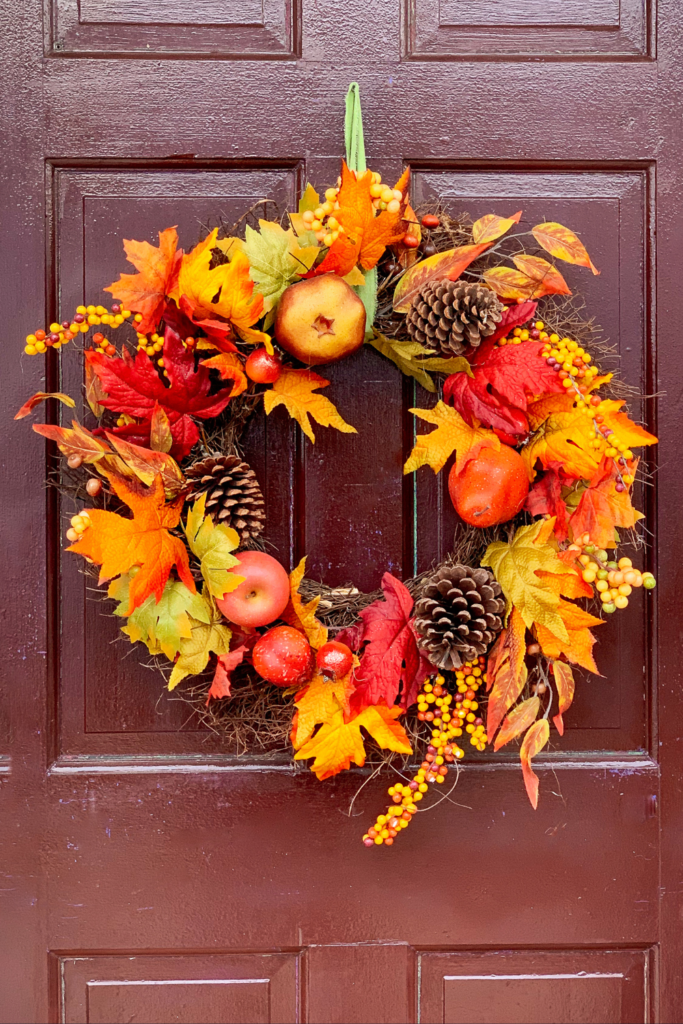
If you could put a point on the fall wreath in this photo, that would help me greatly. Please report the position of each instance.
(480, 647)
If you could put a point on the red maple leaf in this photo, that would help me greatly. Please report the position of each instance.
(391, 660)
(133, 386)
(545, 498)
(227, 663)
(504, 380)
(513, 316)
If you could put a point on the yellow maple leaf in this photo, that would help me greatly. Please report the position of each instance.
(515, 566)
(452, 434)
(318, 702)
(206, 638)
(337, 743)
(626, 430)
(564, 437)
(226, 290)
(301, 614)
(578, 645)
(294, 389)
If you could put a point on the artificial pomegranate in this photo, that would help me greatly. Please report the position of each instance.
(262, 367)
(262, 597)
(334, 659)
(283, 656)
(320, 320)
(491, 488)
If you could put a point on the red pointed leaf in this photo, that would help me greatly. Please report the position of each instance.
(226, 664)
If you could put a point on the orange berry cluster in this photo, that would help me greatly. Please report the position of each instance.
(449, 720)
(83, 319)
(79, 524)
(614, 581)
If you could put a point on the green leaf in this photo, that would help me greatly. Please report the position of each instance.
(406, 356)
(162, 625)
(310, 200)
(276, 259)
(367, 292)
(353, 131)
(212, 546)
(204, 639)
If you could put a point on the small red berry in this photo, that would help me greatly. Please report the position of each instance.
(334, 659)
(263, 368)
(430, 220)
(411, 242)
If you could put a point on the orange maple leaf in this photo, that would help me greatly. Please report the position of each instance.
(318, 702)
(118, 544)
(602, 507)
(365, 235)
(578, 646)
(533, 743)
(337, 743)
(146, 292)
(301, 614)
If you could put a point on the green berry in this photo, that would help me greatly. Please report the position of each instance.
(602, 574)
(609, 607)
(649, 582)
(601, 555)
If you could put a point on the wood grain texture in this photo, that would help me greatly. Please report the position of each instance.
(171, 851)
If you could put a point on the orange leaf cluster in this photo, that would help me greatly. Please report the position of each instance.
(118, 545)
(366, 234)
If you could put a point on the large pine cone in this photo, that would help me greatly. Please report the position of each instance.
(233, 495)
(450, 315)
(458, 614)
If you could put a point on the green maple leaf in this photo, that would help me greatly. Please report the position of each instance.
(514, 565)
(212, 545)
(195, 650)
(161, 626)
(406, 355)
(276, 260)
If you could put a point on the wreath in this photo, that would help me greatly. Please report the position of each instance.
(480, 648)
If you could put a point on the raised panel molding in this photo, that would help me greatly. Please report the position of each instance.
(108, 701)
(243, 988)
(537, 29)
(525, 987)
(229, 29)
(610, 208)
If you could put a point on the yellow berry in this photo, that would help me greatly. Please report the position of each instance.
(30, 350)
(621, 601)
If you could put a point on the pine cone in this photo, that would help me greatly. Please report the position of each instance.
(450, 315)
(458, 614)
(233, 495)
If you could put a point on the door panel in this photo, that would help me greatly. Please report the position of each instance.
(149, 874)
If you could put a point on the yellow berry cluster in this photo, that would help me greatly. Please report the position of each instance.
(614, 581)
(79, 524)
(83, 319)
(152, 344)
(449, 720)
(326, 219)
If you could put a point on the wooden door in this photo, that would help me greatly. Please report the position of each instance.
(148, 874)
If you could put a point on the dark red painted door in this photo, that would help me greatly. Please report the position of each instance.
(149, 875)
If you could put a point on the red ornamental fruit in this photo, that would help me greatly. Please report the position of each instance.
(430, 220)
(283, 656)
(491, 488)
(262, 597)
(334, 659)
(263, 368)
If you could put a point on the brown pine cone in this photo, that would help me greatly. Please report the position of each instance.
(450, 315)
(458, 614)
(233, 495)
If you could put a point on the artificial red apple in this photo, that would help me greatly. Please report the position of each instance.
(283, 656)
(262, 597)
(262, 367)
(320, 320)
(334, 659)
